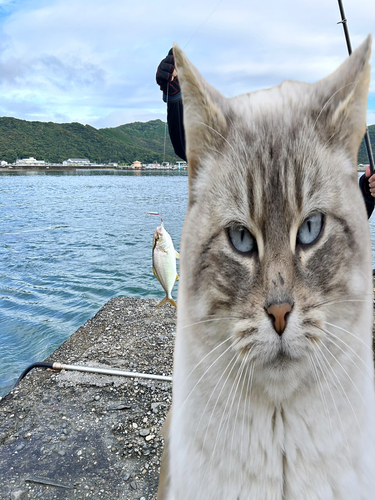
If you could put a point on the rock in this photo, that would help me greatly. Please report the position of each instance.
(18, 495)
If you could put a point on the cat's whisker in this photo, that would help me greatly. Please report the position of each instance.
(233, 360)
(204, 374)
(248, 412)
(336, 301)
(347, 374)
(339, 382)
(213, 318)
(330, 334)
(226, 415)
(205, 357)
(212, 350)
(248, 369)
(320, 362)
(321, 391)
(243, 368)
(212, 393)
(245, 361)
(349, 333)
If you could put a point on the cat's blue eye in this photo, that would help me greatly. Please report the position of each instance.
(310, 229)
(241, 239)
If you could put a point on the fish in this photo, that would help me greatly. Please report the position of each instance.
(164, 262)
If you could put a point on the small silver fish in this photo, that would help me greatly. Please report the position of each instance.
(164, 262)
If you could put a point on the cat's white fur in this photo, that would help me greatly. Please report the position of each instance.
(246, 425)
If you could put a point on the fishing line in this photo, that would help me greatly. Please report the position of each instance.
(157, 213)
(187, 43)
(203, 23)
(165, 127)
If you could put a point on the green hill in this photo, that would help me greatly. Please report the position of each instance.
(56, 142)
(362, 153)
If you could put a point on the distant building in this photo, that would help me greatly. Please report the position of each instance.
(77, 162)
(137, 165)
(30, 162)
(181, 164)
(3, 163)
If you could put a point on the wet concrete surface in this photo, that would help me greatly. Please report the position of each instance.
(74, 435)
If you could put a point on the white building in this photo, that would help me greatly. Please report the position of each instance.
(137, 165)
(3, 163)
(30, 162)
(76, 162)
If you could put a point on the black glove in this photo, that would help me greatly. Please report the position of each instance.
(164, 77)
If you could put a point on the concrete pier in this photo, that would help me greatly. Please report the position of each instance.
(73, 435)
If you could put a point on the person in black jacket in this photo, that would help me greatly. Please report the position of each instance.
(167, 79)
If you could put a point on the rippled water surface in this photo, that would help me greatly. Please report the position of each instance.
(68, 243)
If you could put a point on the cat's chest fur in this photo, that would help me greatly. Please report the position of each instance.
(273, 385)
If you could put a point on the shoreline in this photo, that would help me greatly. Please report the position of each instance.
(73, 435)
(88, 168)
(63, 168)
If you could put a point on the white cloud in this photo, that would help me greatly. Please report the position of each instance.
(95, 62)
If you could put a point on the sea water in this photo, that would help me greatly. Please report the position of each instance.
(70, 241)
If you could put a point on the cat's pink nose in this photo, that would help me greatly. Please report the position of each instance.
(279, 314)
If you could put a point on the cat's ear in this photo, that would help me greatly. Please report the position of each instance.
(342, 97)
(204, 120)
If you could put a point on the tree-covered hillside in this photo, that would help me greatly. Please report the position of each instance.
(56, 142)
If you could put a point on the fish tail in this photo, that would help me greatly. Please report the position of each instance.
(165, 300)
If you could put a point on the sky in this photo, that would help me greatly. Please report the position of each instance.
(94, 61)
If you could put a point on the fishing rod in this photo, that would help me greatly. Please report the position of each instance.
(344, 23)
(92, 369)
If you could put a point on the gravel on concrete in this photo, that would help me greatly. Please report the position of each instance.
(74, 435)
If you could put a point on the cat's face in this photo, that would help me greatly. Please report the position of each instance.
(275, 246)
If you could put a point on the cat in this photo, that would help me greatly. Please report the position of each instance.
(273, 385)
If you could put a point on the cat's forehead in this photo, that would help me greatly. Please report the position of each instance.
(277, 159)
(273, 167)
